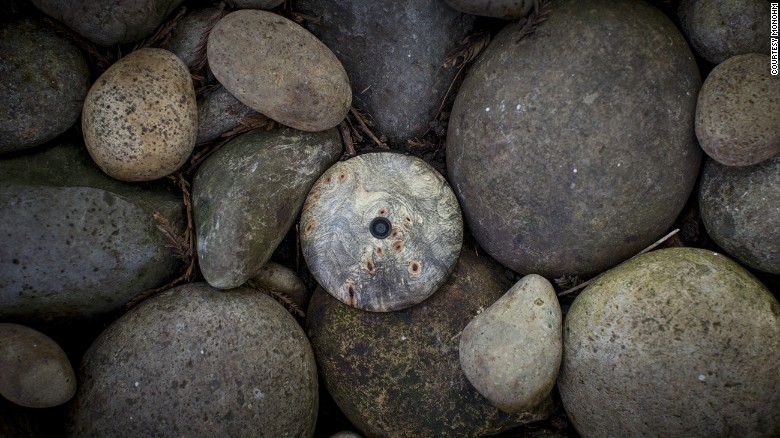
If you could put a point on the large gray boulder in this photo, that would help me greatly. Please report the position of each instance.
(76, 243)
(573, 148)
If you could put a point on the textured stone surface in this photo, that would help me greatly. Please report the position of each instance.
(246, 196)
(572, 170)
(720, 29)
(393, 52)
(506, 9)
(276, 67)
(381, 273)
(255, 4)
(36, 372)
(511, 352)
(140, 118)
(44, 82)
(277, 278)
(676, 342)
(77, 243)
(219, 112)
(111, 21)
(190, 34)
(398, 373)
(738, 111)
(740, 207)
(195, 361)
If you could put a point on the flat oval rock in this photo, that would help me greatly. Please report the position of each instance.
(280, 69)
(140, 117)
(381, 231)
(36, 372)
(45, 80)
(247, 195)
(738, 111)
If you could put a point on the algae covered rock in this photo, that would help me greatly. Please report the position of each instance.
(398, 373)
(572, 170)
(76, 243)
(246, 196)
(676, 342)
(197, 361)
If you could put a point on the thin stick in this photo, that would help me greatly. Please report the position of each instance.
(366, 129)
(347, 137)
(649, 248)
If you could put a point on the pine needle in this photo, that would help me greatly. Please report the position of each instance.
(280, 297)
(531, 23)
(163, 33)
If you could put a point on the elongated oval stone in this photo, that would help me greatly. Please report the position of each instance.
(247, 195)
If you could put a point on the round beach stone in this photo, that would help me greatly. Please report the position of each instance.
(44, 81)
(505, 9)
(720, 29)
(247, 195)
(381, 231)
(740, 207)
(109, 22)
(511, 352)
(140, 118)
(196, 361)
(398, 373)
(278, 68)
(36, 372)
(77, 244)
(675, 342)
(738, 112)
(572, 170)
(280, 279)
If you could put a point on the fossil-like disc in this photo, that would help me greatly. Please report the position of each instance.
(381, 231)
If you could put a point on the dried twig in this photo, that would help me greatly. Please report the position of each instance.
(649, 248)
(248, 123)
(470, 48)
(182, 245)
(346, 137)
(364, 126)
(283, 299)
(531, 23)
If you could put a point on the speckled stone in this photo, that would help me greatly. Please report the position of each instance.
(255, 4)
(109, 22)
(564, 171)
(398, 373)
(77, 244)
(720, 29)
(196, 361)
(511, 352)
(36, 372)
(140, 118)
(738, 112)
(276, 67)
(675, 342)
(393, 52)
(218, 112)
(505, 9)
(247, 195)
(740, 207)
(44, 82)
(405, 265)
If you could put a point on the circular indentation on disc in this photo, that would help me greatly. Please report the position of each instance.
(380, 227)
(386, 231)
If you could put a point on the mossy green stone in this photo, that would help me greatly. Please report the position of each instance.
(676, 342)
(398, 373)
